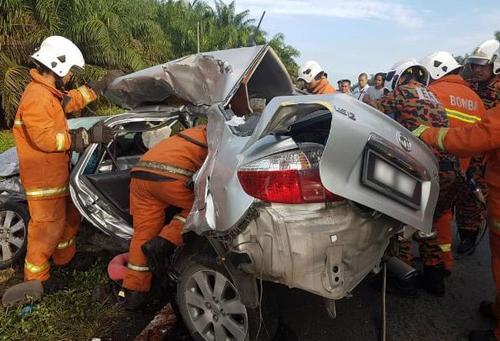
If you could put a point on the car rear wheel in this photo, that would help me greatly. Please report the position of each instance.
(212, 309)
(14, 218)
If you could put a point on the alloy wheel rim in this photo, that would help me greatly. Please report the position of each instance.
(215, 308)
(12, 234)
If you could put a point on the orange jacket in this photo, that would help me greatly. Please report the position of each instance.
(323, 87)
(42, 136)
(463, 106)
(179, 156)
(483, 137)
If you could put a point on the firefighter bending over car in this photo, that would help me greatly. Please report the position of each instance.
(44, 144)
(412, 104)
(159, 180)
(483, 137)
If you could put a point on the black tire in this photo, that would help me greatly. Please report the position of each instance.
(13, 214)
(198, 265)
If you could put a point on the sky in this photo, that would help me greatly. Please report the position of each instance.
(348, 37)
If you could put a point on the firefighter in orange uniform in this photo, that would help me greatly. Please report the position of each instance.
(315, 78)
(463, 107)
(483, 137)
(43, 143)
(159, 180)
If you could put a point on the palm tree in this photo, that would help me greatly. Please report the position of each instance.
(123, 34)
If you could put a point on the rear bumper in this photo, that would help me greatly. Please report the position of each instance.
(324, 250)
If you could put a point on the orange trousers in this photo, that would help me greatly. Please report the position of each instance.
(148, 202)
(53, 226)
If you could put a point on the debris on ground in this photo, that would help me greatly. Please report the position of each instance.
(159, 328)
(6, 275)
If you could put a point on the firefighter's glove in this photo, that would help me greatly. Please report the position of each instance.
(101, 85)
(100, 133)
(80, 139)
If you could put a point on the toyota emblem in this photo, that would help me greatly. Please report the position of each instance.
(405, 142)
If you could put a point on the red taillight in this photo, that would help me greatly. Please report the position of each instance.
(274, 179)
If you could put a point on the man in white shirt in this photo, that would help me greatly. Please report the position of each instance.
(362, 86)
(377, 91)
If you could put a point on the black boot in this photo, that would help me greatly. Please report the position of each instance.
(132, 300)
(486, 310)
(53, 285)
(482, 335)
(467, 242)
(157, 252)
(396, 286)
(82, 261)
(433, 280)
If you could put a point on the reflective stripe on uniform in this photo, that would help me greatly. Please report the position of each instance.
(35, 268)
(164, 167)
(440, 138)
(139, 268)
(18, 123)
(445, 247)
(179, 218)
(65, 244)
(418, 131)
(494, 224)
(60, 141)
(45, 192)
(86, 94)
(462, 116)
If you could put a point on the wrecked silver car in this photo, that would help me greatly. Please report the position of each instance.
(307, 193)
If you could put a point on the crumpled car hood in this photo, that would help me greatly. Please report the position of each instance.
(207, 78)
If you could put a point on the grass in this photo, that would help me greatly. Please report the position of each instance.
(66, 315)
(6, 140)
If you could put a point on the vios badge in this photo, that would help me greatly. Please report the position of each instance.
(405, 142)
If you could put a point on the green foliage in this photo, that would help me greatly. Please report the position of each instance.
(120, 34)
(66, 315)
(6, 140)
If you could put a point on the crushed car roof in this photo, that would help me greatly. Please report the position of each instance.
(206, 78)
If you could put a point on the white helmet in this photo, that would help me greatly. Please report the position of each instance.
(440, 64)
(59, 55)
(496, 62)
(392, 77)
(309, 70)
(483, 55)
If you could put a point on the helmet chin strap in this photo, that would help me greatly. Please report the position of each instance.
(59, 84)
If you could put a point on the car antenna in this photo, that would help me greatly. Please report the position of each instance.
(251, 41)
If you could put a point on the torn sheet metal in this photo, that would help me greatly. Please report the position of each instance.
(200, 79)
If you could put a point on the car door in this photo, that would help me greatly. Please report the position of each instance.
(100, 180)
